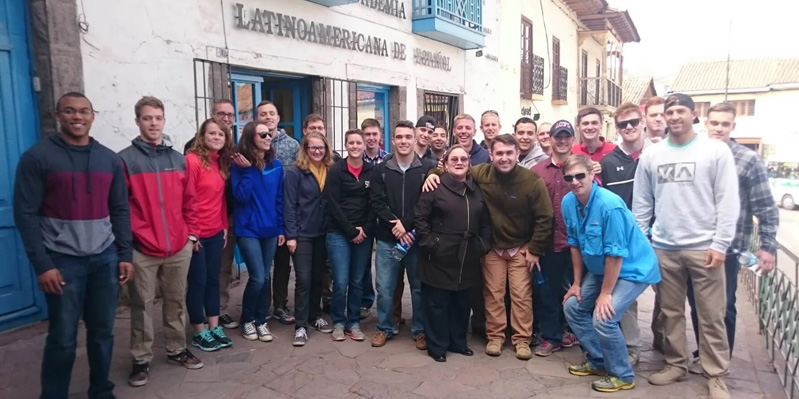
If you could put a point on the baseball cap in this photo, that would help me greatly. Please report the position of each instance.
(680, 99)
(426, 121)
(561, 126)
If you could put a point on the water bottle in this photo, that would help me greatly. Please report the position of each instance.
(746, 259)
(540, 279)
(400, 250)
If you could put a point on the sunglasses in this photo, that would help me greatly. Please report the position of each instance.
(570, 178)
(631, 122)
(265, 135)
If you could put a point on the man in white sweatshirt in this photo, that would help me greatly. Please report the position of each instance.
(690, 185)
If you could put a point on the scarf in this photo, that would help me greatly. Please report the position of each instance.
(320, 174)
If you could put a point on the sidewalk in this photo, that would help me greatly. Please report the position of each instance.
(327, 369)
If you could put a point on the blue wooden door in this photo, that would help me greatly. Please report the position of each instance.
(20, 300)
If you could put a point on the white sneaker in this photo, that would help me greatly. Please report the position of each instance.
(321, 325)
(300, 337)
(248, 331)
(264, 334)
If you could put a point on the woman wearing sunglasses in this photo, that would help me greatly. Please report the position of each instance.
(620, 263)
(258, 217)
(304, 218)
(453, 228)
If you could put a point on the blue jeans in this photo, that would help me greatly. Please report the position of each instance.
(91, 291)
(386, 271)
(603, 341)
(202, 290)
(731, 268)
(557, 268)
(348, 262)
(367, 283)
(258, 254)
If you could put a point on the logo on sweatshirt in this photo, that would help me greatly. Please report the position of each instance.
(366, 184)
(682, 172)
(618, 168)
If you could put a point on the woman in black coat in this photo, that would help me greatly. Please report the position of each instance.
(454, 231)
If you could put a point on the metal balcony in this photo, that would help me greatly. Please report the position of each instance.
(599, 92)
(333, 3)
(458, 23)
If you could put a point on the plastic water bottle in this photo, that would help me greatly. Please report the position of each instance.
(400, 250)
(747, 259)
(540, 279)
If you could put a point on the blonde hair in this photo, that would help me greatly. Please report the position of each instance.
(304, 160)
(578, 160)
(461, 117)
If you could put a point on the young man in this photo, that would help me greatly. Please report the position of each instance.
(463, 129)
(530, 153)
(373, 155)
(424, 129)
(756, 200)
(165, 227)
(618, 175)
(490, 126)
(592, 144)
(286, 148)
(655, 121)
(395, 189)
(690, 186)
(555, 264)
(521, 226)
(438, 140)
(71, 210)
(544, 139)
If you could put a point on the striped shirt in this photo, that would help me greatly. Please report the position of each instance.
(756, 200)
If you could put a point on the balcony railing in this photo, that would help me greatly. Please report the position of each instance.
(599, 92)
(333, 3)
(563, 84)
(538, 75)
(458, 23)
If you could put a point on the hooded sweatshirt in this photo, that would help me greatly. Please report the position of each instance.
(71, 200)
(533, 157)
(286, 148)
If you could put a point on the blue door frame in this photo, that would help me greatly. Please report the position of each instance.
(255, 82)
(384, 90)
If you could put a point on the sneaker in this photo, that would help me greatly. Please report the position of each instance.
(634, 357)
(379, 339)
(718, 389)
(226, 321)
(300, 337)
(355, 334)
(668, 376)
(264, 334)
(547, 348)
(206, 342)
(219, 335)
(283, 315)
(568, 340)
(322, 326)
(421, 342)
(338, 333)
(139, 375)
(586, 369)
(364, 313)
(248, 331)
(395, 331)
(523, 351)
(494, 348)
(611, 384)
(185, 359)
(695, 366)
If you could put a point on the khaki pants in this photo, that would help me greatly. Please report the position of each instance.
(227, 271)
(171, 274)
(629, 327)
(497, 272)
(708, 284)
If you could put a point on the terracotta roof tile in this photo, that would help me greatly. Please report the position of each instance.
(634, 88)
(744, 74)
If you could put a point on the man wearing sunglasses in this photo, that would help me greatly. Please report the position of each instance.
(693, 182)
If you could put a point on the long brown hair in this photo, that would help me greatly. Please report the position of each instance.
(304, 160)
(248, 148)
(202, 151)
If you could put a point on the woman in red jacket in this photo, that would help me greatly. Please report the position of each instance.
(208, 164)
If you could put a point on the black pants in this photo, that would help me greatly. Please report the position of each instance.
(280, 280)
(309, 268)
(446, 319)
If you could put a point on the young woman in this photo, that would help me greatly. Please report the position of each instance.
(208, 164)
(304, 218)
(350, 221)
(454, 231)
(258, 217)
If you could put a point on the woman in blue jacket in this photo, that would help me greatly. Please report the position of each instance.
(258, 216)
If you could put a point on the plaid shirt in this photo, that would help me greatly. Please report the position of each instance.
(756, 200)
(381, 156)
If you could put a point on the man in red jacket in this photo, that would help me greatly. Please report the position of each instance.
(165, 227)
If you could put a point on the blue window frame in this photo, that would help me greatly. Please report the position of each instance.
(246, 90)
(373, 103)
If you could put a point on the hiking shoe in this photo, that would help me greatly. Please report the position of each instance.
(695, 366)
(139, 375)
(300, 337)
(264, 334)
(185, 359)
(586, 369)
(494, 348)
(248, 331)
(219, 335)
(718, 389)
(611, 384)
(338, 333)
(364, 313)
(523, 351)
(547, 348)
(226, 321)
(205, 341)
(668, 375)
(421, 342)
(634, 357)
(355, 334)
(379, 339)
(568, 340)
(322, 326)
(283, 315)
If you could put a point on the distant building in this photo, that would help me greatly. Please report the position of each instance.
(638, 90)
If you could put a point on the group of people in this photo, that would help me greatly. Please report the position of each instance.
(521, 225)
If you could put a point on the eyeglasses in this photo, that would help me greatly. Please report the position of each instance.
(223, 115)
(73, 111)
(459, 160)
(631, 122)
(570, 178)
(265, 135)
(315, 148)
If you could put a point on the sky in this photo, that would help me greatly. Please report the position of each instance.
(674, 32)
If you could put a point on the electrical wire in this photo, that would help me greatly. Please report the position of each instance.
(83, 26)
(546, 36)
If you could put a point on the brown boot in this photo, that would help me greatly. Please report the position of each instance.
(379, 339)
(421, 343)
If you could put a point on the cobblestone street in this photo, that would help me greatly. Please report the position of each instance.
(327, 369)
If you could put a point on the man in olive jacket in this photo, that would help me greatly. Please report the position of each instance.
(521, 226)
